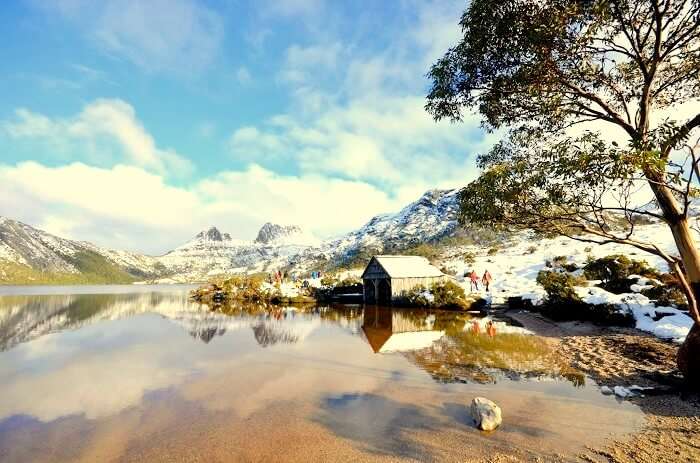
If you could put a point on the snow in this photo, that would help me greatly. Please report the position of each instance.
(518, 261)
(408, 266)
(674, 326)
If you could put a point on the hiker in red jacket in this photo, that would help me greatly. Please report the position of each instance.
(473, 281)
(486, 279)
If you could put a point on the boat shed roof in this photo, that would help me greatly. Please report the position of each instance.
(406, 266)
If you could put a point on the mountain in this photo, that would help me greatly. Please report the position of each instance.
(29, 255)
(211, 252)
(433, 216)
(273, 234)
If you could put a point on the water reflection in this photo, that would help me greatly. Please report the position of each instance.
(73, 365)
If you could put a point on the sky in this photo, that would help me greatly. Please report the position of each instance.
(136, 124)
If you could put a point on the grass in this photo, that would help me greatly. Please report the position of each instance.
(94, 269)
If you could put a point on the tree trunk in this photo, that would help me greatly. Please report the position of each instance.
(688, 359)
(688, 251)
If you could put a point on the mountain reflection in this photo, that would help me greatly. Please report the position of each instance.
(269, 335)
(439, 342)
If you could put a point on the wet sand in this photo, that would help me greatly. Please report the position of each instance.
(626, 357)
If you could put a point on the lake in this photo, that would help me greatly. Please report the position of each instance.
(140, 373)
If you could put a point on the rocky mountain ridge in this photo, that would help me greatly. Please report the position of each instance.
(28, 253)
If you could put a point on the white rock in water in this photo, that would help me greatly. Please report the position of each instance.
(606, 390)
(486, 414)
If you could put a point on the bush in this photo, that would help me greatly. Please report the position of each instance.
(614, 272)
(666, 295)
(329, 279)
(469, 257)
(531, 250)
(559, 286)
(564, 304)
(244, 287)
(617, 267)
(448, 294)
(419, 297)
(493, 251)
(442, 294)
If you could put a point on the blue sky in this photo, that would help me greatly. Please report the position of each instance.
(135, 124)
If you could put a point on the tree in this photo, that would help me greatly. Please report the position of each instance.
(592, 96)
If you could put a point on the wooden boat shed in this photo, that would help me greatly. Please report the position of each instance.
(388, 279)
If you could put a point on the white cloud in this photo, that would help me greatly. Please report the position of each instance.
(105, 131)
(126, 207)
(390, 141)
(181, 35)
(249, 143)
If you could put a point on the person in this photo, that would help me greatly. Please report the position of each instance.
(476, 329)
(474, 281)
(486, 280)
(491, 328)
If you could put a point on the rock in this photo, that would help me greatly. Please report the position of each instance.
(486, 414)
(689, 357)
(605, 390)
(622, 392)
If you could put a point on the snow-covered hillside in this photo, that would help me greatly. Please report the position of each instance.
(431, 217)
(515, 263)
(43, 252)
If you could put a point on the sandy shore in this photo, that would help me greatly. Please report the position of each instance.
(627, 357)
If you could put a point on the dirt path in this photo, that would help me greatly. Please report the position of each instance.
(627, 357)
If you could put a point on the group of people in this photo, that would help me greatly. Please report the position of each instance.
(474, 280)
(280, 276)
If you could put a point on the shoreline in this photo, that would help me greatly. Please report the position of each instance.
(614, 356)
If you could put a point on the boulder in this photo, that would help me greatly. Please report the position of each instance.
(486, 414)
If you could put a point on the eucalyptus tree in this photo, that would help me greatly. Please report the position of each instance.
(599, 101)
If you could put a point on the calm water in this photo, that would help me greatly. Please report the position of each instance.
(146, 375)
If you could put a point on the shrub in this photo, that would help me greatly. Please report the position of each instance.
(614, 272)
(617, 267)
(493, 251)
(666, 295)
(419, 297)
(564, 304)
(447, 294)
(329, 279)
(244, 287)
(442, 294)
(531, 250)
(559, 286)
(469, 257)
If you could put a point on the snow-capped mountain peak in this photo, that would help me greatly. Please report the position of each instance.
(213, 234)
(281, 235)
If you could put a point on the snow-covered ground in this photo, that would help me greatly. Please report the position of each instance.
(514, 266)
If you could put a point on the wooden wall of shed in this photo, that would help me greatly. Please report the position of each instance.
(401, 286)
